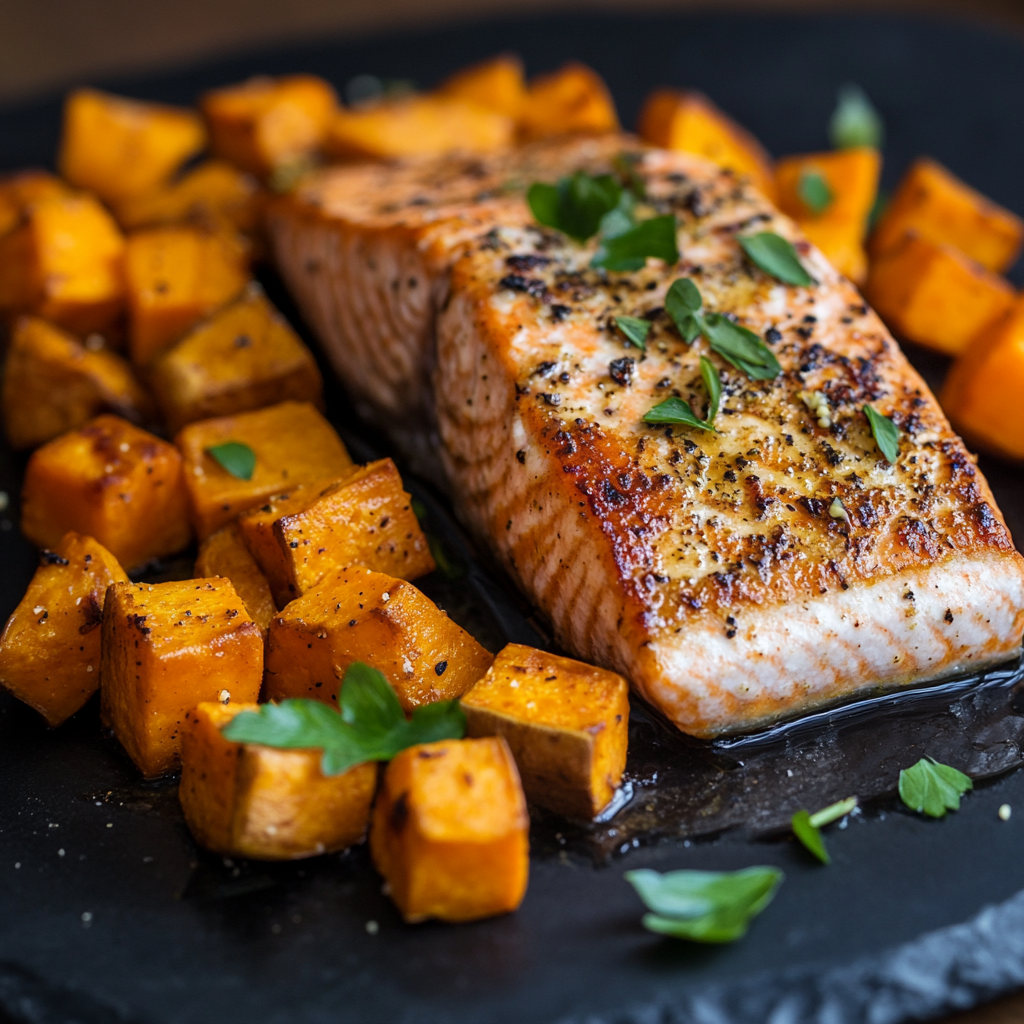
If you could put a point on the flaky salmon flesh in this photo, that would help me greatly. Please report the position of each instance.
(715, 569)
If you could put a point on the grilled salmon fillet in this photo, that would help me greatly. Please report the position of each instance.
(365, 250)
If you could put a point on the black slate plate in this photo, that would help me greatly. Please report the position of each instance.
(108, 912)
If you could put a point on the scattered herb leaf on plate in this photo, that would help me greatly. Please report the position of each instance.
(235, 457)
(814, 191)
(775, 256)
(807, 826)
(886, 434)
(855, 122)
(630, 249)
(676, 411)
(739, 347)
(683, 302)
(714, 385)
(576, 205)
(931, 788)
(635, 329)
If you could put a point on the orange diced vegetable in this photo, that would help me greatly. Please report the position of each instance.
(247, 800)
(50, 649)
(572, 100)
(176, 276)
(934, 296)
(359, 615)
(224, 553)
(266, 123)
(117, 147)
(450, 831)
(166, 648)
(495, 84)
(20, 190)
(689, 122)
(52, 383)
(292, 442)
(937, 206)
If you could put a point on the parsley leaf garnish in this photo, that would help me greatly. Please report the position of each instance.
(234, 456)
(932, 788)
(683, 303)
(629, 249)
(775, 256)
(855, 121)
(369, 727)
(704, 906)
(886, 434)
(635, 329)
(814, 191)
(806, 826)
(576, 205)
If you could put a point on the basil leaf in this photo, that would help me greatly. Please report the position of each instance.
(576, 204)
(932, 788)
(775, 256)
(683, 302)
(814, 191)
(704, 906)
(237, 458)
(621, 219)
(855, 122)
(714, 385)
(809, 836)
(635, 329)
(739, 347)
(886, 434)
(629, 250)
(675, 410)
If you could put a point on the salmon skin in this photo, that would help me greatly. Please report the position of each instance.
(716, 570)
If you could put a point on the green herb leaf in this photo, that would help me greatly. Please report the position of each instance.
(775, 256)
(683, 302)
(714, 385)
(932, 788)
(635, 329)
(621, 219)
(886, 434)
(237, 458)
(675, 410)
(625, 165)
(576, 204)
(739, 347)
(855, 122)
(806, 826)
(369, 727)
(704, 906)
(630, 249)
(814, 191)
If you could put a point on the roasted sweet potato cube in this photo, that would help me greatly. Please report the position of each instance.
(450, 831)
(937, 206)
(214, 195)
(564, 102)
(112, 481)
(244, 357)
(566, 723)
(842, 242)
(166, 648)
(495, 84)
(50, 648)
(53, 383)
(264, 123)
(65, 263)
(118, 147)
(933, 295)
(247, 800)
(417, 126)
(983, 391)
(224, 553)
(365, 519)
(689, 122)
(175, 277)
(292, 442)
(21, 190)
(359, 615)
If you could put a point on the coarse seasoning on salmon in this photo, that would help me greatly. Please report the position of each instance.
(715, 569)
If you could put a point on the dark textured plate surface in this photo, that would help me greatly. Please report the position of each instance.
(108, 912)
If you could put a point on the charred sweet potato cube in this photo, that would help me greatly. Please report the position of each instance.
(50, 648)
(175, 277)
(20, 190)
(688, 122)
(417, 126)
(224, 553)
(213, 195)
(365, 519)
(264, 123)
(53, 383)
(495, 84)
(65, 263)
(450, 831)
(566, 723)
(571, 100)
(246, 356)
(118, 147)
(166, 648)
(112, 481)
(292, 442)
(933, 295)
(248, 800)
(359, 615)
(938, 207)
(983, 391)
